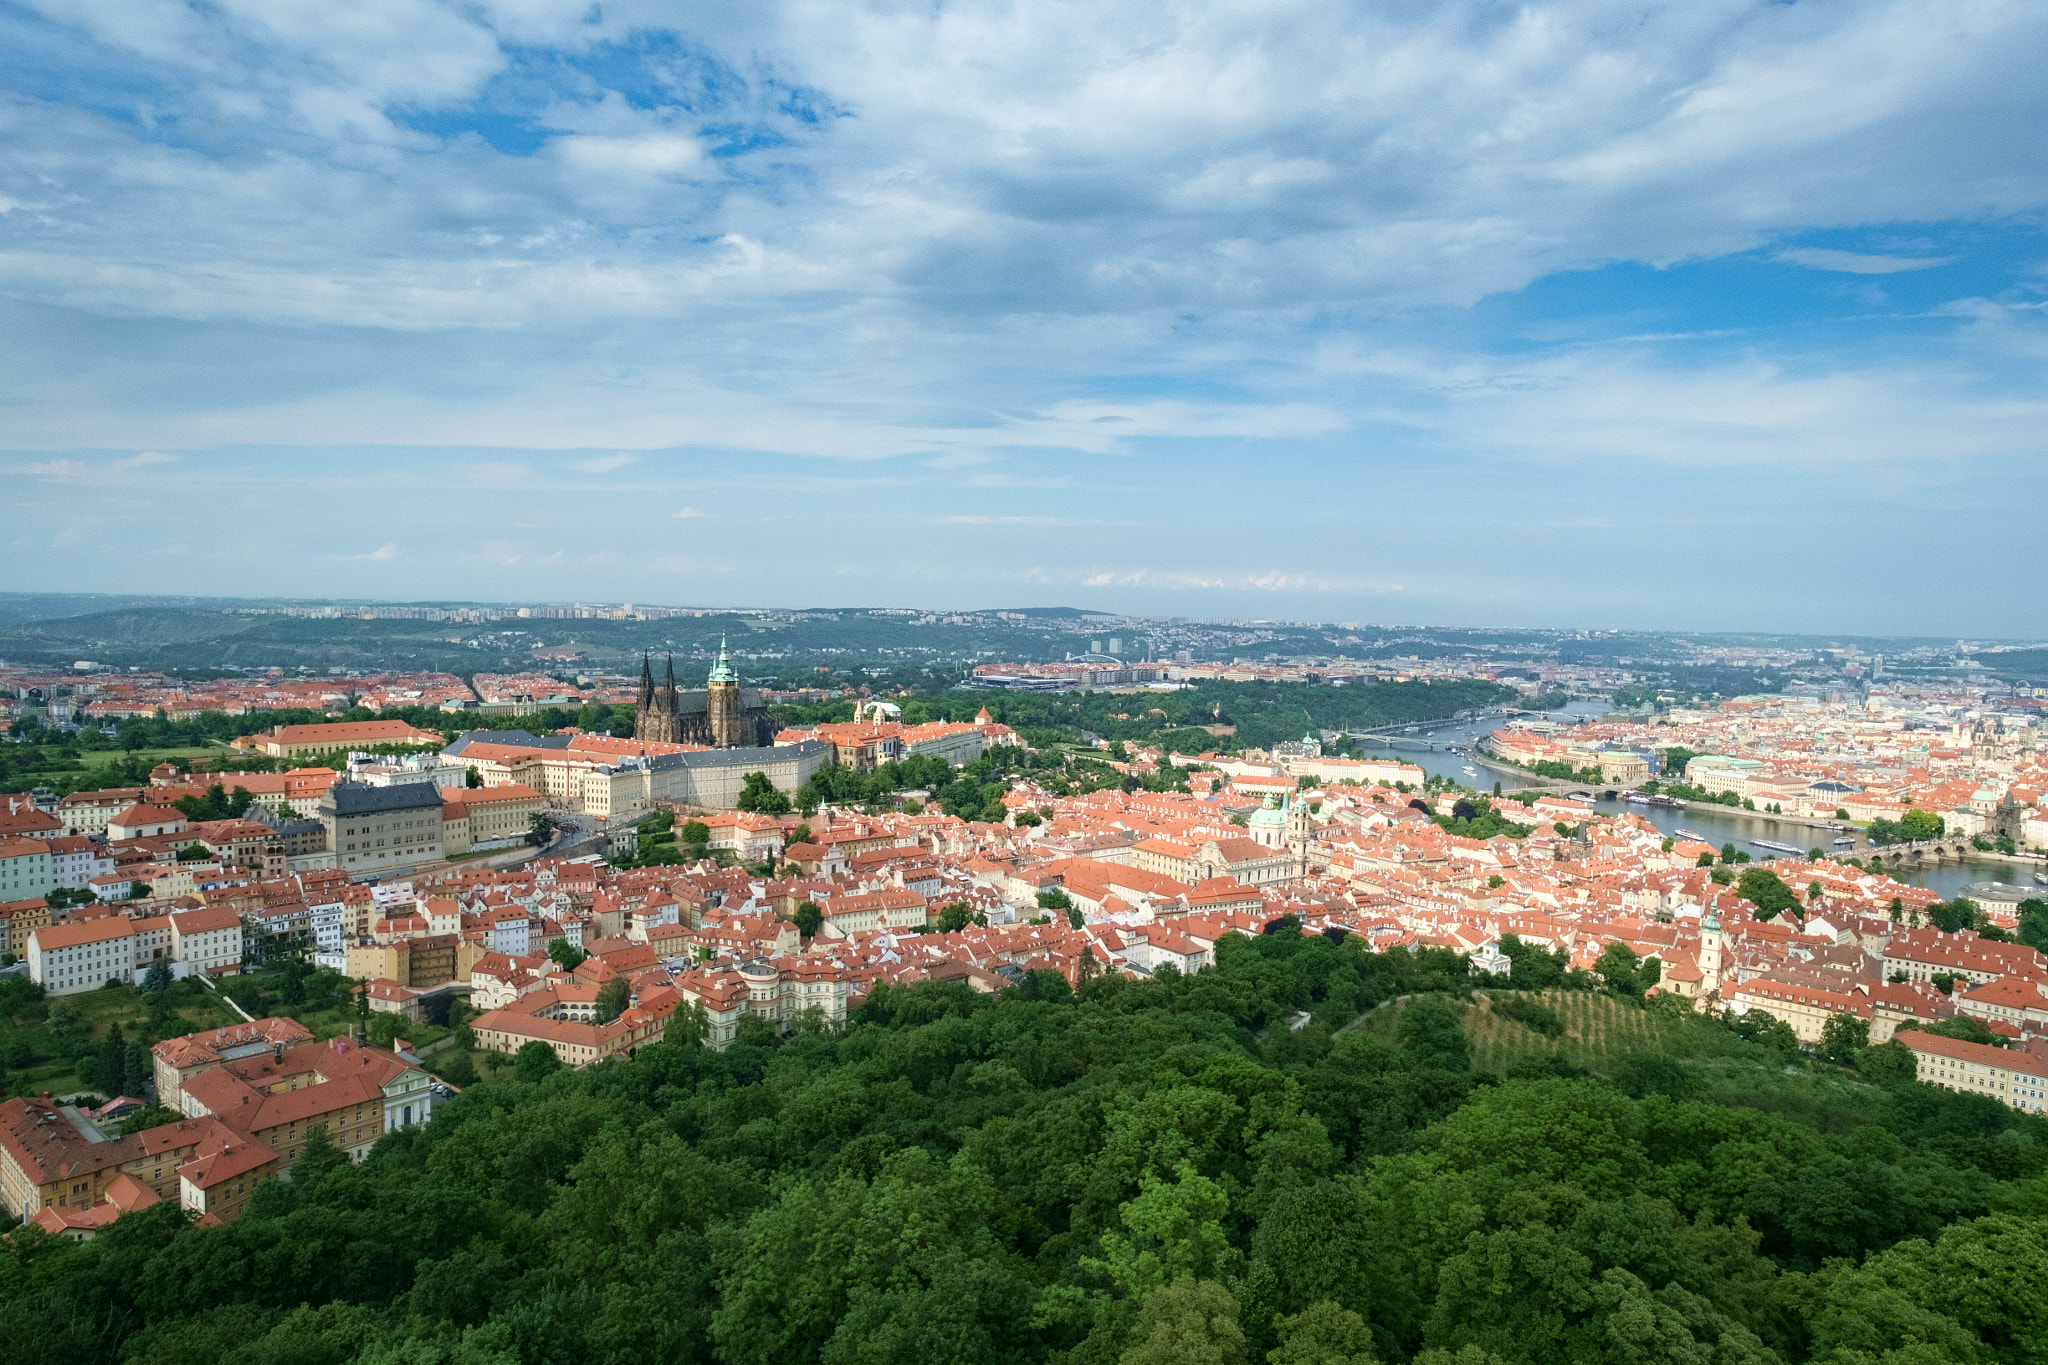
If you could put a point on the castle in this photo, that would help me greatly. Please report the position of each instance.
(722, 715)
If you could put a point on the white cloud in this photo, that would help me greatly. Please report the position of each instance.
(1849, 262)
(1231, 580)
(603, 464)
(386, 551)
(78, 471)
(689, 514)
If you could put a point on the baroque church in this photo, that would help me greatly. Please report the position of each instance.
(723, 715)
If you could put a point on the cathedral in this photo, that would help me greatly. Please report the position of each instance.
(722, 715)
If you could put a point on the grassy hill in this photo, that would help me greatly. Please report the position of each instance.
(1598, 1031)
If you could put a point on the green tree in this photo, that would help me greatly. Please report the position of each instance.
(566, 954)
(688, 1026)
(539, 830)
(2033, 923)
(1917, 824)
(760, 796)
(144, 1119)
(694, 832)
(1324, 1333)
(1889, 1065)
(810, 919)
(1767, 891)
(535, 1062)
(1188, 1322)
(612, 998)
(158, 978)
(1843, 1037)
(1624, 973)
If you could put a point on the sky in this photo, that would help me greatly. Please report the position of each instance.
(1703, 315)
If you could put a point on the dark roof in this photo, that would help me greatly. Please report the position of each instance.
(737, 758)
(518, 737)
(353, 798)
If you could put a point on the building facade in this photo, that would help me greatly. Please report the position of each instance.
(372, 829)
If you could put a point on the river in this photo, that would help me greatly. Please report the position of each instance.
(1717, 827)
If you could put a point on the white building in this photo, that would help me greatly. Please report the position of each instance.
(207, 940)
(65, 959)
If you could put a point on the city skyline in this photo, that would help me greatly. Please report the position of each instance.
(1708, 317)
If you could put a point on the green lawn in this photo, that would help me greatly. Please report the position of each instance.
(99, 1011)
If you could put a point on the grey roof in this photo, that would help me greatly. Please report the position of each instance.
(738, 758)
(698, 701)
(353, 798)
(519, 737)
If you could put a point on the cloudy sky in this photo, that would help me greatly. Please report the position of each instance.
(1708, 314)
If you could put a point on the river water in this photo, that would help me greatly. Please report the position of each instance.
(1716, 827)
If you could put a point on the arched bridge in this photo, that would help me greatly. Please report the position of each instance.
(1920, 851)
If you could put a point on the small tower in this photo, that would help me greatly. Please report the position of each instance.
(722, 703)
(1713, 947)
(1300, 831)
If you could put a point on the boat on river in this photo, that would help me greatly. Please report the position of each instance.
(1777, 848)
(1688, 834)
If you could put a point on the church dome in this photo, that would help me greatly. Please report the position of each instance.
(1268, 816)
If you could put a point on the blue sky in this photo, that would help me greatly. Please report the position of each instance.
(1706, 315)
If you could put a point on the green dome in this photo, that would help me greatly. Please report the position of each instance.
(1268, 816)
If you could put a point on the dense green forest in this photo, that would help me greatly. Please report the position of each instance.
(1156, 1173)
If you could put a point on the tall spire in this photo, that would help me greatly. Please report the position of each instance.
(721, 672)
(646, 679)
(668, 683)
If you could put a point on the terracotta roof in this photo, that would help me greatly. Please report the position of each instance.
(1984, 1054)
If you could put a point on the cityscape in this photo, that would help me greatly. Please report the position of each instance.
(988, 684)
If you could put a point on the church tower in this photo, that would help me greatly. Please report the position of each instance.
(1300, 831)
(1713, 949)
(722, 703)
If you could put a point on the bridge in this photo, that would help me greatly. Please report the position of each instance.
(1920, 851)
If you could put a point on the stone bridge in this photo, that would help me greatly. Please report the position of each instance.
(1921, 851)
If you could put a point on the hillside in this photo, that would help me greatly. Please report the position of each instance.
(1598, 1032)
(1155, 1173)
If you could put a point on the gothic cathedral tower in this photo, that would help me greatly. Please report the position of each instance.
(723, 704)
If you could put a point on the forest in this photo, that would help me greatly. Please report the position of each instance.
(1224, 1168)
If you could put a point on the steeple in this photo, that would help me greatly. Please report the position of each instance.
(721, 672)
(646, 680)
(668, 684)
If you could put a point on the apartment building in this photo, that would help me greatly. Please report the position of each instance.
(2012, 1077)
(26, 869)
(66, 959)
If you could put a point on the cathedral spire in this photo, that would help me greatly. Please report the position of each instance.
(721, 672)
(646, 679)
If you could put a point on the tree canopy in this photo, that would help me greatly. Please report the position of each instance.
(1179, 1169)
